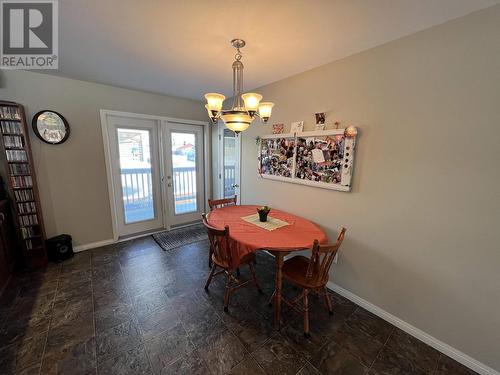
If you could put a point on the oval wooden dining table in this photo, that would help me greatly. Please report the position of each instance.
(247, 237)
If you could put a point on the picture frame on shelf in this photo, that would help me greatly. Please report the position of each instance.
(278, 128)
(297, 127)
(320, 117)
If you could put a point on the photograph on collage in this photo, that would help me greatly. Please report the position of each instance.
(277, 156)
(320, 158)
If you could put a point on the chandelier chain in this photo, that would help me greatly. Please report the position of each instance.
(238, 55)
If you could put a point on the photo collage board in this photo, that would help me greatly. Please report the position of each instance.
(318, 158)
(277, 156)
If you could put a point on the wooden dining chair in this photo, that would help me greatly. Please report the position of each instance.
(311, 274)
(218, 203)
(222, 257)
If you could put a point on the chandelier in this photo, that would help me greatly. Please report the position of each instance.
(245, 106)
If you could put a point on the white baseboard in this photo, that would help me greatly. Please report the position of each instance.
(444, 348)
(92, 245)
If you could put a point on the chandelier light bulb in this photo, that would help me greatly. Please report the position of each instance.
(214, 101)
(252, 101)
(265, 110)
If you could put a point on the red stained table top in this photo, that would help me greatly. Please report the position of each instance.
(299, 235)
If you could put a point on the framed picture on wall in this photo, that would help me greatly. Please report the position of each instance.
(317, 158)
(277, 155)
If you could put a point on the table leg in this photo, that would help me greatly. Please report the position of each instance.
(278, 256)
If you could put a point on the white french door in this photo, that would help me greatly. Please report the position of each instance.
(229, 163)
(156, 171)
(184, 167)
(135, 174)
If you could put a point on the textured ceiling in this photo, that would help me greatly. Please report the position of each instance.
(182, 48)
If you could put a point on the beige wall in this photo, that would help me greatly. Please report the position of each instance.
(423, 218)
(72, 176)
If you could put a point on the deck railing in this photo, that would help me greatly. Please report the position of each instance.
(137, 191)
(184, 181)
(137, 187)
(229, 180)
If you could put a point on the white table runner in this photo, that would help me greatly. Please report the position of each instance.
(271, 223)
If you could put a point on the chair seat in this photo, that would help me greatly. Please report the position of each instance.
(248, 258)
(295, 270)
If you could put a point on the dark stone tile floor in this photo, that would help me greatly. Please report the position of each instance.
(132, 308)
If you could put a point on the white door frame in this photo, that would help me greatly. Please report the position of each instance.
(104, 113)
(220, 162)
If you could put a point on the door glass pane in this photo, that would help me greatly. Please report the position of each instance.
(184, 172)
(229, 158)
(135, 167)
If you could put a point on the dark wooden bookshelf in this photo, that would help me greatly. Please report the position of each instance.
(19, 170)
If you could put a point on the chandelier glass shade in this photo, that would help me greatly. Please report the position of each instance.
(245, 106)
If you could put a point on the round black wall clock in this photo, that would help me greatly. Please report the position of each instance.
(51, 127)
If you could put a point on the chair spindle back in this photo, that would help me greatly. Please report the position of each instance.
(217, 203)
(219, 242)
(322, 258)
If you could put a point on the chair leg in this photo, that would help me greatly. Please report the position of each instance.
(270, 303)
(210, 258)
(252, 271)
(306, 314)
(209, 280)
(228, 290)
(328, 301)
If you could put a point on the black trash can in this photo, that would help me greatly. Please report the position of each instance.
(60, 248)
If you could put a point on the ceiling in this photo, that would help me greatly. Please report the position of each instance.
(182, 48)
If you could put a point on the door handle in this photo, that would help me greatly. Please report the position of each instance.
(235, 186)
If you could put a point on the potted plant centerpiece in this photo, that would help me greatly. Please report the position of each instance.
(263, 211)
